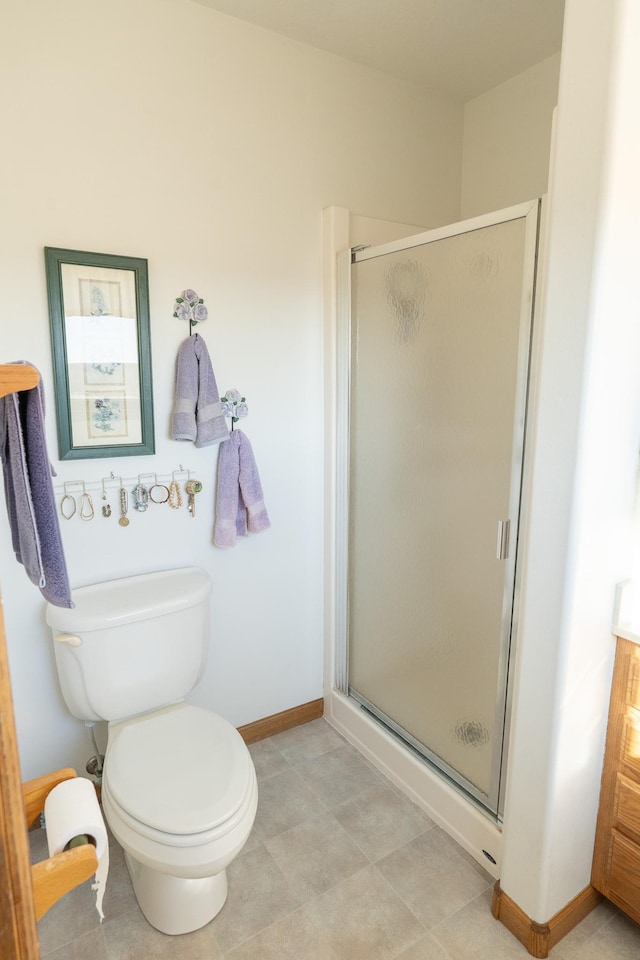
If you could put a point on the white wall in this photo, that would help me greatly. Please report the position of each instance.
(507, 139)
(585, 428)
(585, 447)
(160, 129)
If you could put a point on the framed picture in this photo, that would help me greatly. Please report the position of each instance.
(99, 311)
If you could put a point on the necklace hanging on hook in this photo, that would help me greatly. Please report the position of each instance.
(124, 506)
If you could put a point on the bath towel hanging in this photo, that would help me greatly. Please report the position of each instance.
(31, 505)
(240, 507)
(197, 412)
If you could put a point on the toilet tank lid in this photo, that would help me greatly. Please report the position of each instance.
(115, 602)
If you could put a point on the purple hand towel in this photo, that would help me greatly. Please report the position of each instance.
(197, 413)
(31, 505)
(240, 505)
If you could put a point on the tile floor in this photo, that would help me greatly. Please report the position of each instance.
(340, 866)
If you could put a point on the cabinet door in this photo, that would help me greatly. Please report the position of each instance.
(18, 932)
(627, 807)
(630, 746)
(616, 860)
(624, 875)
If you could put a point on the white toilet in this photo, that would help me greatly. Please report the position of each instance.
(179, 788)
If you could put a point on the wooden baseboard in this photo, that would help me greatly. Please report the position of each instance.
(540, 938)
(285, 720)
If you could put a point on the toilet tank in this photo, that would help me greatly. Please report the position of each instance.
(132, 645)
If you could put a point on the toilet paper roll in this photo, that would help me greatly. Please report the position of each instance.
(72, 810)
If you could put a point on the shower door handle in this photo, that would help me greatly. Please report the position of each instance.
(502, 548)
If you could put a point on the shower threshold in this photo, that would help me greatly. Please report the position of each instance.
(450, 807)
(437, 764)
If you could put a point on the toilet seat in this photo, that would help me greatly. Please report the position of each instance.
(180, 776)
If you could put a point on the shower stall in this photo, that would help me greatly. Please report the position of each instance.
(433, 350)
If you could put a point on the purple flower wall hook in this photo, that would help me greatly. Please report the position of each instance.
(190, 307)
(234, 405)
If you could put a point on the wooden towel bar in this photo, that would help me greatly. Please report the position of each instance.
(26, 892)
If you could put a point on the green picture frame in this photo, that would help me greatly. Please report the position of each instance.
(101, 343)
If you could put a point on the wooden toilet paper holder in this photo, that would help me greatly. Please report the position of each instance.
(56, 875)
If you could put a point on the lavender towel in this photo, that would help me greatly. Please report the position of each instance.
(31, 505)
(240, 505)
(197, 413)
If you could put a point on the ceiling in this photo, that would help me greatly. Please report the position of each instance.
(459, 47)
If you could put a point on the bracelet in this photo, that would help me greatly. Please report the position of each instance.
(140, 498)
(175, 495)
(159, 497)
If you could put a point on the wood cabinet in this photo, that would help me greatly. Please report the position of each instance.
(616, 861)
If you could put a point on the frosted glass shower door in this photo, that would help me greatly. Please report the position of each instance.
(439, 359)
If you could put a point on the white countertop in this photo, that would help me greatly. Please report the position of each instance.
(626, 614)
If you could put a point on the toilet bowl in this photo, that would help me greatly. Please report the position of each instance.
(179, 793)
(179, 787)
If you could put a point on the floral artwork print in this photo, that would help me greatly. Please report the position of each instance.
(106, 369)
(106, 416)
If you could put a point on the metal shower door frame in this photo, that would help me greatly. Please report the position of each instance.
(530, 213)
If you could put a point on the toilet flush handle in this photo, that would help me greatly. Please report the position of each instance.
(69, 638)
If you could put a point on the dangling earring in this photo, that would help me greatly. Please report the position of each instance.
(86, 506)
(106, 508)
(69, 510)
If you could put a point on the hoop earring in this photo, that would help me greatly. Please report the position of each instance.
(69, 511)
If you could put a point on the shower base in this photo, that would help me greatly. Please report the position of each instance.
(458, 816)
